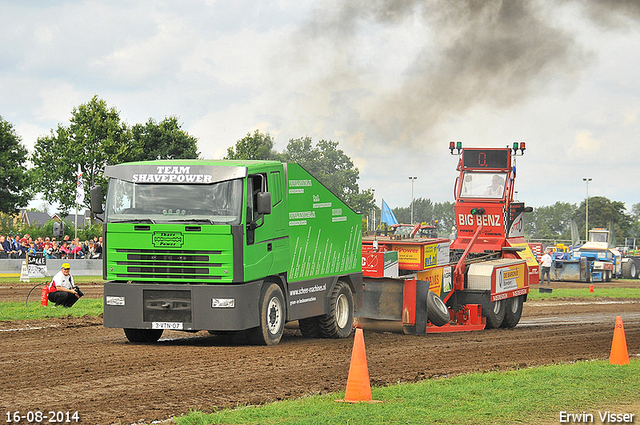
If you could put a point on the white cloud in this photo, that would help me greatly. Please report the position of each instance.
(584, 145)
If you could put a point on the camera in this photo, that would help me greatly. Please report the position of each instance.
(78, 291)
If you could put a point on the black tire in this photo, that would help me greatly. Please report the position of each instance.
(272, 317)
(310, 327)
(512, 312)
(437, 311)
(143, 335)
(629, 270)
(338, 322)
(495, 314)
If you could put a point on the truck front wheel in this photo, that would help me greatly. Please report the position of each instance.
(272, 317)
(338, 322)
(512, 312)
(495, 314)
(143, 335)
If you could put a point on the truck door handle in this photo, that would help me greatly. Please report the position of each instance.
(269, 247)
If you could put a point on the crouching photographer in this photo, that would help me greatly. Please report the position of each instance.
(62, 290)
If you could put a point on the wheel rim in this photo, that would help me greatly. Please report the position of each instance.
(497, 306)
(633, 270)
(440, 305)
(515, 305)
(274, 315)
(342, 311)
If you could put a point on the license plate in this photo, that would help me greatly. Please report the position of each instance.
(172, 326)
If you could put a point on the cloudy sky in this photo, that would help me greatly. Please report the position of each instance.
(392, 81)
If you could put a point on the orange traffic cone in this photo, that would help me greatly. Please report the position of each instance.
(358, 386)
(619, 353)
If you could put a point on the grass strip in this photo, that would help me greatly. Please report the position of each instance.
(530, 396)
(534, 294)
(19, 311)
(7, 281)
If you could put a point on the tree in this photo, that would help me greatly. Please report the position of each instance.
(550, 222)
(333, 168)
(605, 213)
(444, 213)
(164, 140)
(253, 146)
(634, 232)
(94, 139)
(15, 180)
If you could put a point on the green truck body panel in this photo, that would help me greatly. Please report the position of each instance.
(187, 233)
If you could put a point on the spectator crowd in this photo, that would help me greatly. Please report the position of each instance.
(19, 247)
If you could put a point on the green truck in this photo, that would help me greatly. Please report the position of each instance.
(227, 246)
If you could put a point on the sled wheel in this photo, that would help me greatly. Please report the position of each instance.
(495, 314)
(310, 327)
(272, 317)
(143, 335)
(338, 322)
(437, 311)
(512, 312)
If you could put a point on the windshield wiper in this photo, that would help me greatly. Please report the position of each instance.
(193, 220)
(135, 220)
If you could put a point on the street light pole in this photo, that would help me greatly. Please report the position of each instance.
(586, 225)
(413, 179)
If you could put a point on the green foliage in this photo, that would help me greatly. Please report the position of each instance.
(95, 138)
(253, 146)
(333, 168)
(551, 222)
(554, 222)
(15, 180)
(604, 213)
(324, 161)
(534, 395)
(164, 140)
(439, 214)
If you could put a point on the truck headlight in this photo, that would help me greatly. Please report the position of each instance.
(112, 300)
(223, 302)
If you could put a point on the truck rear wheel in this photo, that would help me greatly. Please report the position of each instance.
(272, 317)
(437, 311)
(495, 314)
(629, 270)
(338, 322)
(143, 335)
(512, 312)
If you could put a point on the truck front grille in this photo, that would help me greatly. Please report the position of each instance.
(170, 264)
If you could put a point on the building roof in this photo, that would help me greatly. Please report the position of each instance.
(35, 218)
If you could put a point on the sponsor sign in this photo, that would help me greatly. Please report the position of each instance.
(510, 278)
(37, 266)
(168, 239)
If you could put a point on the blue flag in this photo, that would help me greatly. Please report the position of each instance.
(387, 215)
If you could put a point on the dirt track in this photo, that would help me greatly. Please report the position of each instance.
(77, 365)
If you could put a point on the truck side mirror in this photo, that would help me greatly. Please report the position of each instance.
(96, 200)
(263, 203)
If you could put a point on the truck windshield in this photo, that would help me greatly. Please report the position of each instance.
(598, 236)
(483, 185)
(218, 203)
